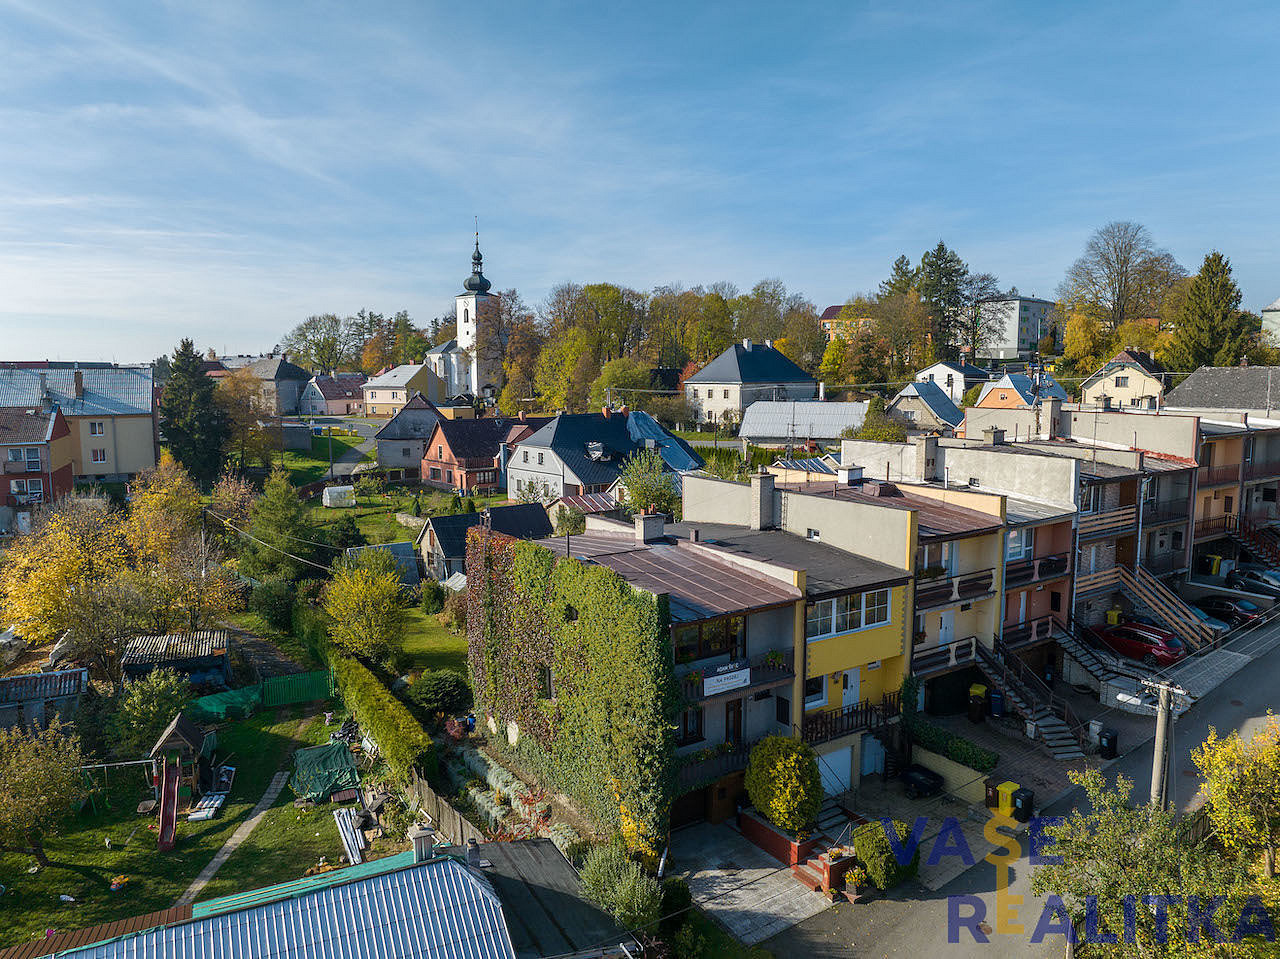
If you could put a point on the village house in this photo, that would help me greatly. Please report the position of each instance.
(442, 542)
(387, 393)
(280, 381)
(333, 394)
(465, 455)
(1131, 378)
(37, 449)
(745, 372)
(954, 379)
(402, 442)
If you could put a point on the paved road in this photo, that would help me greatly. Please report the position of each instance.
(913, 923)
(347, 460)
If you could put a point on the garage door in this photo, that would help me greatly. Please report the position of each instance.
(835, 768)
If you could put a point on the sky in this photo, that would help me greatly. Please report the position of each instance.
(224, 170)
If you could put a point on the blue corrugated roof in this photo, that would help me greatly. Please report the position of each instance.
(108, 390)
(934, 397)
(441, 908)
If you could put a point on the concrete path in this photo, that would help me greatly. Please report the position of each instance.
(240, 835)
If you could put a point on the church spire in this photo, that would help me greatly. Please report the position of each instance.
(476, 282)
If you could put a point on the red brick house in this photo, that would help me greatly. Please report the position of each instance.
(467, 455)
(36, 451)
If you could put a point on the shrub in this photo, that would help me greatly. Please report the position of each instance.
(454, 613)
(571, 522)
(676, 900)
(344, 533)
(783, 782)
(272, 599)
(621, 887)
(690, 943)
(946, 743)
(440, 691)
(386, 720)
(147, 707)
(432, 597)
(416, 506)
(876, 854)
(311, 626)
(469, 506)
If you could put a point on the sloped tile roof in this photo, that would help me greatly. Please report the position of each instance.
(416, 420)
(344, 386)
(517, 520)
(24, 426)
(1228, 388)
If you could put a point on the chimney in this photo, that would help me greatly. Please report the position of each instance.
(761, 501)
(695, 535)
(522, 416)
(848, 475)
(605, 411)
(994, 436)
(769, 343)
(746, 343)
(822, 390)
(424, 844)
(624, 411)
(650, 527)
(926, 458)
(473, 852)
(78, 378)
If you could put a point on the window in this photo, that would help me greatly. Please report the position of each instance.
(544, 682)
(99, 456)
(33, 457)
(539, 459)
(875, 610)
(1268, 494)
(395, 395)
(1018, 544)
(435, 472)
(448, 476)
(690, 730)
(95, 428)
(1055, 602)
(844, 614)
(726, 394)
(717, 637)
(1004, 396)
(15, 454)
(815, 692)
(35, 486)
(439, 452)
(1177, 539)
(373, 394)
(1090, 499)
(814, 534)
(782, 707)
(404, 451)
(1122, 381)
(1226, 505)
(526, 456)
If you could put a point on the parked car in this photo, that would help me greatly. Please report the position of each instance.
(1260, 581)
(1237, 612)
(1219, 627)
(918, 781)
(1150, 644)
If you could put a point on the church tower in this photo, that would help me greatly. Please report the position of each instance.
(472, 305)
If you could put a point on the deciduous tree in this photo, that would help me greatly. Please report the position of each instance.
(248, 441)
(1242, 789)
(40, 781)
(325, 342)
(647, 484)
(363, 598)
(1122, 275)
(623, 379)
(147, 707)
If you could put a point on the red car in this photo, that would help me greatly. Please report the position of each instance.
(1151, 644)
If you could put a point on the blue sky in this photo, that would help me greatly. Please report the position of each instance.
(224, 170)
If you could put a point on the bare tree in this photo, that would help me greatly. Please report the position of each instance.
(1122, 275)
(980, 328)
(324, 342)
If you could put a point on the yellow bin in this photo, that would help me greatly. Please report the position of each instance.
(1005, 793)
(977, 689)
(1113, 617)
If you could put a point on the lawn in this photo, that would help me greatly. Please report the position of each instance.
(429, 645)
(309, 467)
(375, 516)
(82, 865)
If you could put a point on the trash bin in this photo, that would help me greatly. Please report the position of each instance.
(995, 700)
(993, 796)
(978, 689)
(977, 709)
(1113, 616)
(1022, 800)
(1032, 730)
(1005, 793)
(1095, 731)
(1109, 743)
(1215, 564)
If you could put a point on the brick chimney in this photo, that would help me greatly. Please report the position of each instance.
(605, 412)
(78, 379)
(761, 501)
(650, 527)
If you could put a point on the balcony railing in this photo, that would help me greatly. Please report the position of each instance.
(1261, 469)
(711, 763)
(1031, 633)
(1036, 570)
(930, 660)
(25, 499)
(824, 727)
(762, 671)
(23, 466)
(1162, 513)
(1218, 475)
(945, 590)
(1165, 563)
(1114, 522)
(1215, 527)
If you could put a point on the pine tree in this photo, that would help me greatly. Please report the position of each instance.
(194, 424)
(902, 278)
(1211, 329)
(281, 531)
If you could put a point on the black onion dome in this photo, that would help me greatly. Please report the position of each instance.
(476, 282)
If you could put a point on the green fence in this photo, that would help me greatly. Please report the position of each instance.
(296, 688)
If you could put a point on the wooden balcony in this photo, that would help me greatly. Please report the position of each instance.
(933, 660)
(949, 590)
(1218, 475)
(1095, 582)
(1115, 522)
(1036, 570)
(824, 727)
(769, 669)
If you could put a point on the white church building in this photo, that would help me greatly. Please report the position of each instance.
(457, 362)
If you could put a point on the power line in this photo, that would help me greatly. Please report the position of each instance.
(296, 539)
(269, 546)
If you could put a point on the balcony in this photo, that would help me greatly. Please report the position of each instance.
(24, 499)
(1029, 634)
(1166, 563)
(730, 680)
(934, 591)
(1218, 475)
(824, 727)
(1036, 570)
(1165, 513)
(938, 659)
(1214, 528)
(1262, 469)
(23, 466)
(708, 765)
(1115, 522)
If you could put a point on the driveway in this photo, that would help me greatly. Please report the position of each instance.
(348, 459)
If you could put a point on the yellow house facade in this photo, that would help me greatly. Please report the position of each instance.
(386, 394)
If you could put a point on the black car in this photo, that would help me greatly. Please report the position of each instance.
(918, 781)
(1237, 612)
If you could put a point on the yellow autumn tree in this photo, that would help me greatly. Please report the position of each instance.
(363, 597)
(1242, 783)
(164, 510)
(43, 572)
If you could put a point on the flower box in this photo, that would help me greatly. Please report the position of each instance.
(782, 846)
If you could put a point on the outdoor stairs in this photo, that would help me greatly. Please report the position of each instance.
(1101, 665)
(1167, 605)
(834, 828)
(1055, 734)
(1261, 541)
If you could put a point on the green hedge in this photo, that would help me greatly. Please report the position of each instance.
(876, 854)
(946, 743)
(311, 628)
(386, 720)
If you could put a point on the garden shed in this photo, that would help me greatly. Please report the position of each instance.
(29, 700)
(204, 656)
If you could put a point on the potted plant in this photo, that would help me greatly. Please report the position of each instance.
(775, 659)
(854, 879)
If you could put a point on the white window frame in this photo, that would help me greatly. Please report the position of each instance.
(1025, 540)
(96, 427)
(98, 455)
(27, 451)
(840, 608)
(817, 701)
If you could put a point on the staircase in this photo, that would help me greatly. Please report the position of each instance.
(1261, 541)
(1166, 604)
(1038, 705)
(1100, 665)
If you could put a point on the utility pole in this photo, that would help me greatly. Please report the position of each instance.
(1160, 760)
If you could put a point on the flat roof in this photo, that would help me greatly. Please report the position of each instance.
(937, 520)
(1026, 512)
(699, 585)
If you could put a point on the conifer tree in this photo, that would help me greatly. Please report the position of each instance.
(194, 424)
(281, 531)
(1211, 329)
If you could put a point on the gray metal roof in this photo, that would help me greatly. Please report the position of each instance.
(935, 398)
(1028, 512)
(107, 390)
(748, 362)
(439, 909)
(395, 377)
(803, 419)
(171, 647)
(21, 689)
(1228, 388)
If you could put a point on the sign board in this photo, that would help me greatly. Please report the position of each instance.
(727, 678)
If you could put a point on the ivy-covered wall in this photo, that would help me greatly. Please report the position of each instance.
(605, 737)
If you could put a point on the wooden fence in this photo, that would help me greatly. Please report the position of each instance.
(449, 824)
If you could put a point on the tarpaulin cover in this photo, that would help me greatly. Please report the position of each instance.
(233, 704)
(321, 771)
